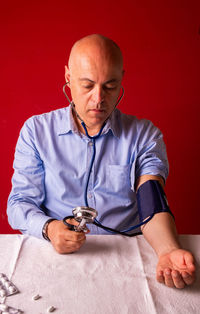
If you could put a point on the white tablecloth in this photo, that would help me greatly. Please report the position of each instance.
(111, 274)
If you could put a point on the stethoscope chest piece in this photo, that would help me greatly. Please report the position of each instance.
(82, 214)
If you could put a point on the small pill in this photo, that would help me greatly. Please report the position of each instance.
(3, 307)
(51, 309)
(2, 293)
(36, 297)
(12, 289)
(3, 280)
(7, 284)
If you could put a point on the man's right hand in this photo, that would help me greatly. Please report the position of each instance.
(64, 240)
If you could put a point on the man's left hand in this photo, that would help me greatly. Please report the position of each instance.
(176, 269)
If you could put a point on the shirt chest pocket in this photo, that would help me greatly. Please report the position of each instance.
(118, 178)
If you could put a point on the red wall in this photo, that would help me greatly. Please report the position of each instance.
(160, 41)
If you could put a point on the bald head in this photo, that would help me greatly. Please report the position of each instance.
(94, 75)
(96, 47)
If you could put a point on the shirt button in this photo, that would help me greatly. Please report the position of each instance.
(89, 195)
(90, 143)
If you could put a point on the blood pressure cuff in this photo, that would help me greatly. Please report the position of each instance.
(151, 199)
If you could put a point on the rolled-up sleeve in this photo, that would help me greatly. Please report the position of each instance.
(28, 191)
(151, 155)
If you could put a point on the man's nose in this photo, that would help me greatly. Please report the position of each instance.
(98, 95)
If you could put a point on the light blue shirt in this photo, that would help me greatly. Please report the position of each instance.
(52, 159)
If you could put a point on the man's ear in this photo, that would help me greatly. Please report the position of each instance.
(67, 76)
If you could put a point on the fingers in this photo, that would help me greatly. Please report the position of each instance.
(189, 261)
(166, 278)
(68, 242)
(64, 240)
(177, 279)
(160, 277)
(69, 246)
(73, 236)
(174, 279)
(176, 269)
(188, 278)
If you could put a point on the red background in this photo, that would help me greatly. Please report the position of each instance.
(160, 41)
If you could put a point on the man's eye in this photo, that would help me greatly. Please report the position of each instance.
(87, 86)
(109, 87)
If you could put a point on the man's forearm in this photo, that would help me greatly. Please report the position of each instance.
(161, 233)
(26, 217)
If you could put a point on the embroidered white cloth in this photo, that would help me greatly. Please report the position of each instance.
(111, 274)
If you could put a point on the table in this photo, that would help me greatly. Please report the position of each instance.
(111, 274)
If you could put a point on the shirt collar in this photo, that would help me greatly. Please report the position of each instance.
(112, 124)
(67, 123)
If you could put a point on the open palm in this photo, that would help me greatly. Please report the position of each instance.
(176, 268)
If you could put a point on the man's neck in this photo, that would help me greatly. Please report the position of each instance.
(92, 130)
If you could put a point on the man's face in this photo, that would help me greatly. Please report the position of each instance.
(95, 84)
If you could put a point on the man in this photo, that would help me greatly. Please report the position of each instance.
(53, 155)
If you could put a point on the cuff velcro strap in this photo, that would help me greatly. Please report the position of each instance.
(151, 199)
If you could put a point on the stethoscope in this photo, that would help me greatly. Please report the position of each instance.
(85, 214)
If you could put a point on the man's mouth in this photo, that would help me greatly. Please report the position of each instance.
(97, 110)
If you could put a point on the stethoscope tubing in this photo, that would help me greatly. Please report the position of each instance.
(96, 222)
(93, 139)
